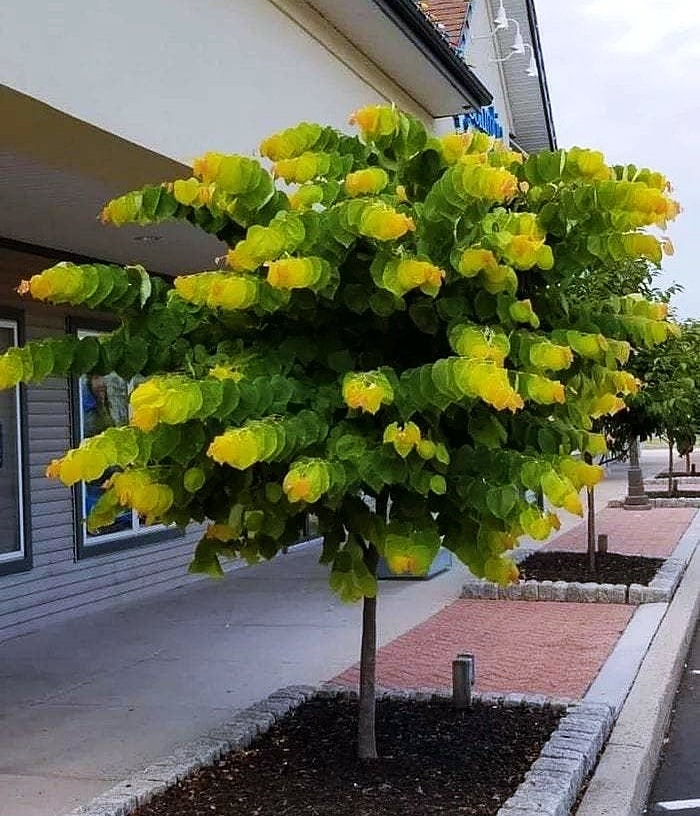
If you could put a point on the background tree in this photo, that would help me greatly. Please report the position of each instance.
(396, 328)
(628, 276)
(668, 404)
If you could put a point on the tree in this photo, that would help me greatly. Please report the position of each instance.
(668, 404)
(629, 276)
(395, 328)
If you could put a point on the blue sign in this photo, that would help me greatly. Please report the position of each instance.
(484, 119)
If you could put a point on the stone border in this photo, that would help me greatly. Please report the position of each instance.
(660, 588)
(552, 784)
(675, 502)
(564, 762)
(236, 734)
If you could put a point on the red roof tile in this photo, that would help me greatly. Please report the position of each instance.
(450, 13)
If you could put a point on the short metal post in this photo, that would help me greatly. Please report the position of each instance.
(463, 676)
(603, 543)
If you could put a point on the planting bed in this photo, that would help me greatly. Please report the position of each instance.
(434, 760)
(612, 568)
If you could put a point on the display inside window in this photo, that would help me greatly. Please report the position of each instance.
(104, 403)
(12, 545)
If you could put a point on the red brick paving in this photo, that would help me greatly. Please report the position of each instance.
(529, 647)
(652, 532)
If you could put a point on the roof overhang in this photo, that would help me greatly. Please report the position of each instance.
(58, 172)
(398, 38)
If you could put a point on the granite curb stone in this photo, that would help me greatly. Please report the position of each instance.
(551, 785)
(660, 588)
(244, 726)
(675, 502)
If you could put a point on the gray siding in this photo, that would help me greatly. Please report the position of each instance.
(59, 586)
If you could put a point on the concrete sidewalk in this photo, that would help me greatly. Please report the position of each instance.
(86, 702)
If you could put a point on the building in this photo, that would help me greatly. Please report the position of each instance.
(96, 101)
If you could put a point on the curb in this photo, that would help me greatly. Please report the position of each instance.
(676, 502)
(622, 781)
(660, 588)
(551, 785)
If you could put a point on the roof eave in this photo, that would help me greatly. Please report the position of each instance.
(424, 36)
(399, 40)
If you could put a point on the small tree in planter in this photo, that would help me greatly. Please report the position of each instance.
(668, 404)
(394, 327)
(629, 276)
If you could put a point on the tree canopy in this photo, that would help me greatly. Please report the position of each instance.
(398, 322)
(391, 322)
(667, 404)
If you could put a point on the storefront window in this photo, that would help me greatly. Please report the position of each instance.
(13, 553)
(103, 402)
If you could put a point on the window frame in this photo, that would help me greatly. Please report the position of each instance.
(21, 560)
(88, 546)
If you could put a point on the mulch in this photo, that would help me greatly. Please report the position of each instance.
(433, 760)
(611, 568)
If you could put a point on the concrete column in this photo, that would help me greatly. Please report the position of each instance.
(636, 498)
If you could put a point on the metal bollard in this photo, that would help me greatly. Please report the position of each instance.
(603, 543)
(463, 677)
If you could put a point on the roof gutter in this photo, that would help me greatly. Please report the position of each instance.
(424, 36)
(539, 59)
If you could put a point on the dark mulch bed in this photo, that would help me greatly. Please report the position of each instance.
(434, 760)
(612, 568)
(678, 474)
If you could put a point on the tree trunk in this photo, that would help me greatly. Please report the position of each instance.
(670, 466)
(687, 463)
(590, 493)
(366, 739)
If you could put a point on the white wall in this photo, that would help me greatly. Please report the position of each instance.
(184, 76)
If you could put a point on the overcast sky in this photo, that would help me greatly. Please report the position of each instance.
(624, 78)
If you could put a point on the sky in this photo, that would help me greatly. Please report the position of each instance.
(624, 78)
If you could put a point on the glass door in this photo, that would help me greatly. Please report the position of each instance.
(12, 545)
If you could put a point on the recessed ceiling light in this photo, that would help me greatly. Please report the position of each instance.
(148, 239)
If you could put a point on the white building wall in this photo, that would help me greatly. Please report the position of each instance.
(187, 76)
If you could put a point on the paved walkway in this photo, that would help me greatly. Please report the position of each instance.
(531, 647)
(85, 702)
(653, 533)
(555, 649)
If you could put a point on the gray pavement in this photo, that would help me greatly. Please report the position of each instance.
(677, 784)
(85, 702)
